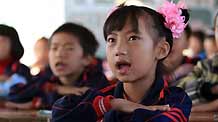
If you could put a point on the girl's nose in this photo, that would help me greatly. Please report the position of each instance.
(119, 53)
(121, 49)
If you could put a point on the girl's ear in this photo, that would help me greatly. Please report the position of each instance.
(162, 49)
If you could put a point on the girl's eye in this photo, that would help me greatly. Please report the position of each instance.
(110, 40)
(134, 38)
(53, 48)
(69, 48)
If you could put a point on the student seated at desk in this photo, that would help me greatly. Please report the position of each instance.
(71, 52)
(137, 41)
(11, 70)
(41, 49)
(211, 90)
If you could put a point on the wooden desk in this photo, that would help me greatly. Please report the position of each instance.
(7, 115)
(22, 116)
(204, 117)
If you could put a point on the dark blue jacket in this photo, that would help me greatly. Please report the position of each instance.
(43, 87)
(81, 109)
(17, 73)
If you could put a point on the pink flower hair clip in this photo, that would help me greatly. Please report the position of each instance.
(173, 17)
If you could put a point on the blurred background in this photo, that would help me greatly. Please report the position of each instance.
(34, 19)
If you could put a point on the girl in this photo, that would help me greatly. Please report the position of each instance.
(11, 70)
(137, 41)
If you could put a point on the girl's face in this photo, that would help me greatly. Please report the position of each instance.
(5, 47)
(216, 29)
(66, 55)
(131, 55)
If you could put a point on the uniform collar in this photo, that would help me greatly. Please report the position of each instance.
(153, 95)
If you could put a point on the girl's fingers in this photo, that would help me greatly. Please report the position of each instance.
(160, 107)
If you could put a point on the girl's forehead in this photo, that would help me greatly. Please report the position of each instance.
(142, 23)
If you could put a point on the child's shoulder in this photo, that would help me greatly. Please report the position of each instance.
(177, 95)
(109, 89)
(17, 66)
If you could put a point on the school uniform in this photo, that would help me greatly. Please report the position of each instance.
(88, 108)
(16, 73)
(42, 91)
(199, 82)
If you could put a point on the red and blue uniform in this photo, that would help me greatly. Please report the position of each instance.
(94, 106)
(15, 72)
(42, 90)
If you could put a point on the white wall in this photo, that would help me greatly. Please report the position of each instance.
(32, 19)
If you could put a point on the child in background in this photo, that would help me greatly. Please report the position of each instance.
(210, 46)
(71, 52)
(11, 70)
(200, 82)
(41, 49)
(196, 45)
(176, 63)
(138, 39)
(211, 105)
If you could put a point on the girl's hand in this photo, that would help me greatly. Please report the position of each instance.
(128, 106)
(66, 90)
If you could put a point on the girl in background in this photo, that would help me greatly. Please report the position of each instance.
(11, 70)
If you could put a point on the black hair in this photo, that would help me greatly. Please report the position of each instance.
(17, 49)
(211, 37)
(118, 19)
(87, 39)
(188, 31)
(199, 34)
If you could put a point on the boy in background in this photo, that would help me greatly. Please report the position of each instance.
(71, 53)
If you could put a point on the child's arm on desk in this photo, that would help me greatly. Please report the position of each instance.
(67, 109)
(34, 104)
(206, 107)
(121, 105)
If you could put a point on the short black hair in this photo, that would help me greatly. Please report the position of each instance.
(188, 31)
(17, 49)
(199, 34)
(211, 37)
(87, 39)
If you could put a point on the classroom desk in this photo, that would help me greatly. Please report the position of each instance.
(204, 117)
(7, 115)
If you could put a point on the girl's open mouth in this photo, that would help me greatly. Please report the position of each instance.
(123, 67)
